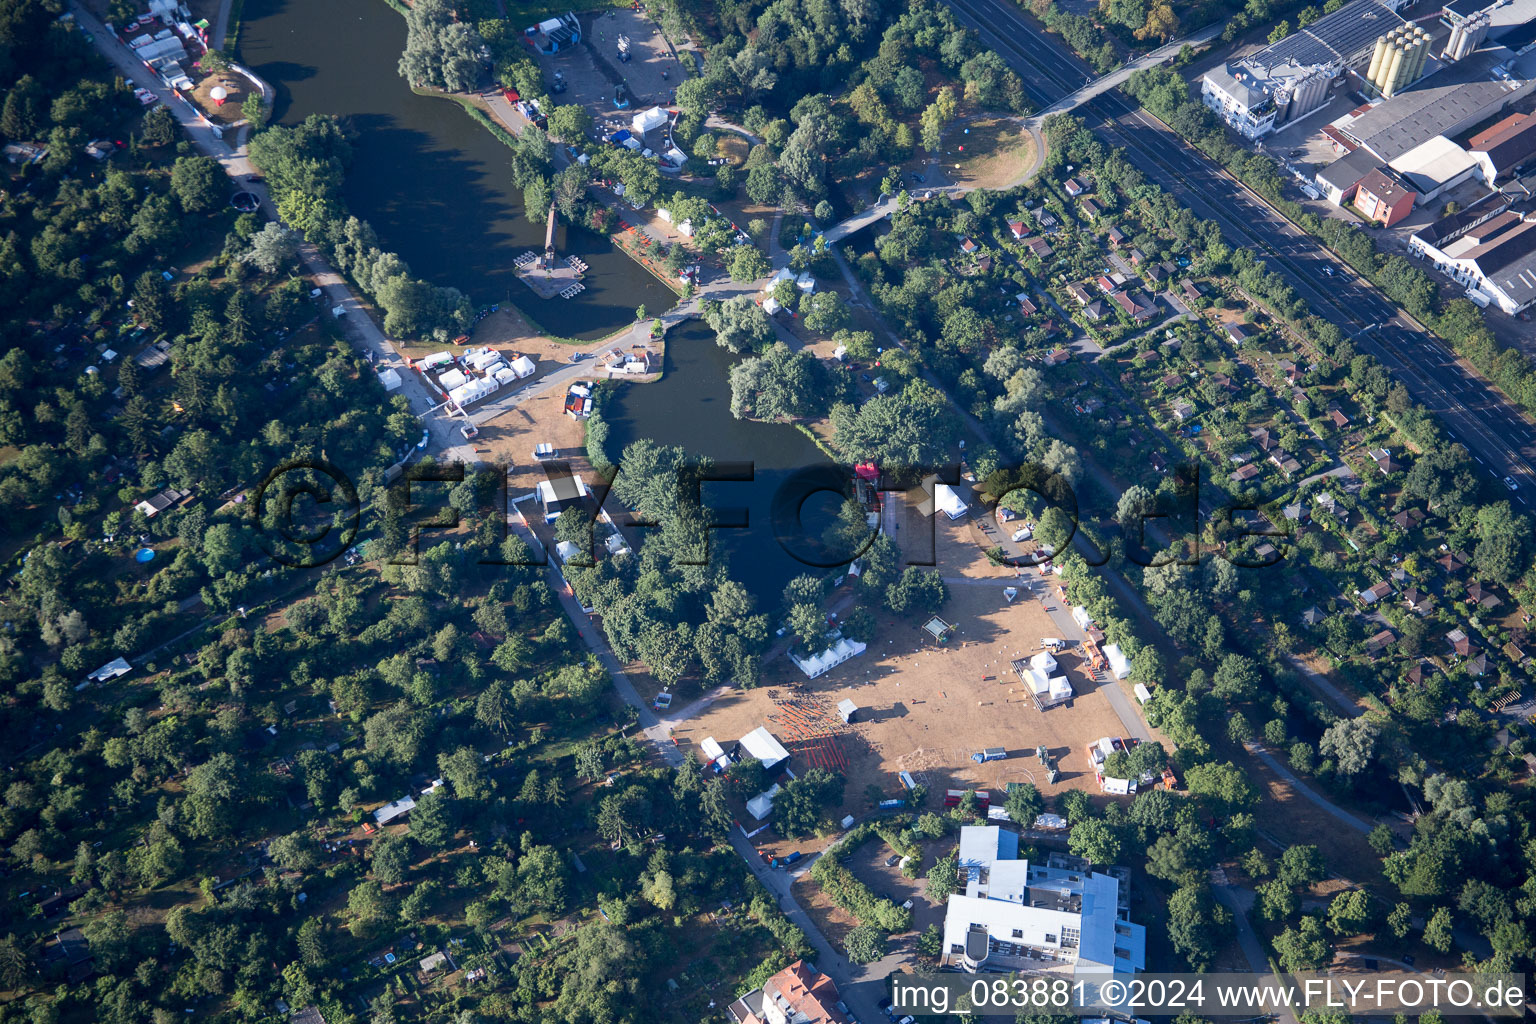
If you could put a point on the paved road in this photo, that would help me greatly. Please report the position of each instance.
(1338, 813)
(1238, 901)
(1498, 435)
(861, 987)
(356, 323)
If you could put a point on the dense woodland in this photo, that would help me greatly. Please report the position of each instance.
(198, 819)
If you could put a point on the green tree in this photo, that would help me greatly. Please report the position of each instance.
(1437, 931)
(943, 878)
(864, 944)
(1094, 840)
(1303, 947)
(198, 183)
(1197, 925)
(432, 823)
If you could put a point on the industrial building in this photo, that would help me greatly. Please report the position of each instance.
(1409, 135)
(1291, 78)
(1489, 248)
(1016, 915)
(1505, 149)
(1383, 196)
(1450, 101)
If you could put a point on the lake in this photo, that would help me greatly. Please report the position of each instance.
(435, 185)
(691, 406)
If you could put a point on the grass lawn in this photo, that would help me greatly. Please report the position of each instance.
(997, 150)
(733, 147)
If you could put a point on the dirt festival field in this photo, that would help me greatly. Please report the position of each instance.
(926, 708)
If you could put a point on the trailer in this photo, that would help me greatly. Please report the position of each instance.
(891, 805)
(989, 754)
(907, 781)
(786, 860)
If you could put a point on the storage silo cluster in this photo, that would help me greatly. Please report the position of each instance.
(1398, 59)
(1467, 35)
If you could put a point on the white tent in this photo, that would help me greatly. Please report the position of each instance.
(1043, 662)
(1050, 821)
(805, 282)
(946, 500)
(1061, 688)
(435, 360)
(761, 805)
(784, 274)
(1119, 664)
(468, 394)
(566, 550)
(1142, 693)
(451, 379)
(1081, 617)
(835, 655)
(481, 358)
(523, 366)
(712, 748)
(648, 119)
(390, 378)
(771, 305)
(759, 743)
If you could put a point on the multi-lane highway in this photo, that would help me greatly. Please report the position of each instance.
(1497, 434)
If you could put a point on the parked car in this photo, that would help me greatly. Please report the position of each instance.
(907, 905)
(893, 860)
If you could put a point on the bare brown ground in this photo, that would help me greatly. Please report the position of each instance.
(926, 708)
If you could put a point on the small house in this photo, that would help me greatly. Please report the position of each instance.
(1081, 294)
(1091, 209)
(1018, 229)
(1116, 236)
(1073, 186)
(1026, 305)
(1337, 417)
(967, 246)
(1057, 356)
(1384, 461)
(1245, 473)
(1182, 410)
(1191, 291)
(1380, 642)
(1238, 333)
(1376, 593)
(1040, 248)
(1096, 310)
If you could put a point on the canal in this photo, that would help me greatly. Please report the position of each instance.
(435, 185)
(786, 516)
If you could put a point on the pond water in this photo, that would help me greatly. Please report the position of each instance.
(435, 184)
(786, 512)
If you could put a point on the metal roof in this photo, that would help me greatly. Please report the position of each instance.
(1346, 35)
(1442, 104)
